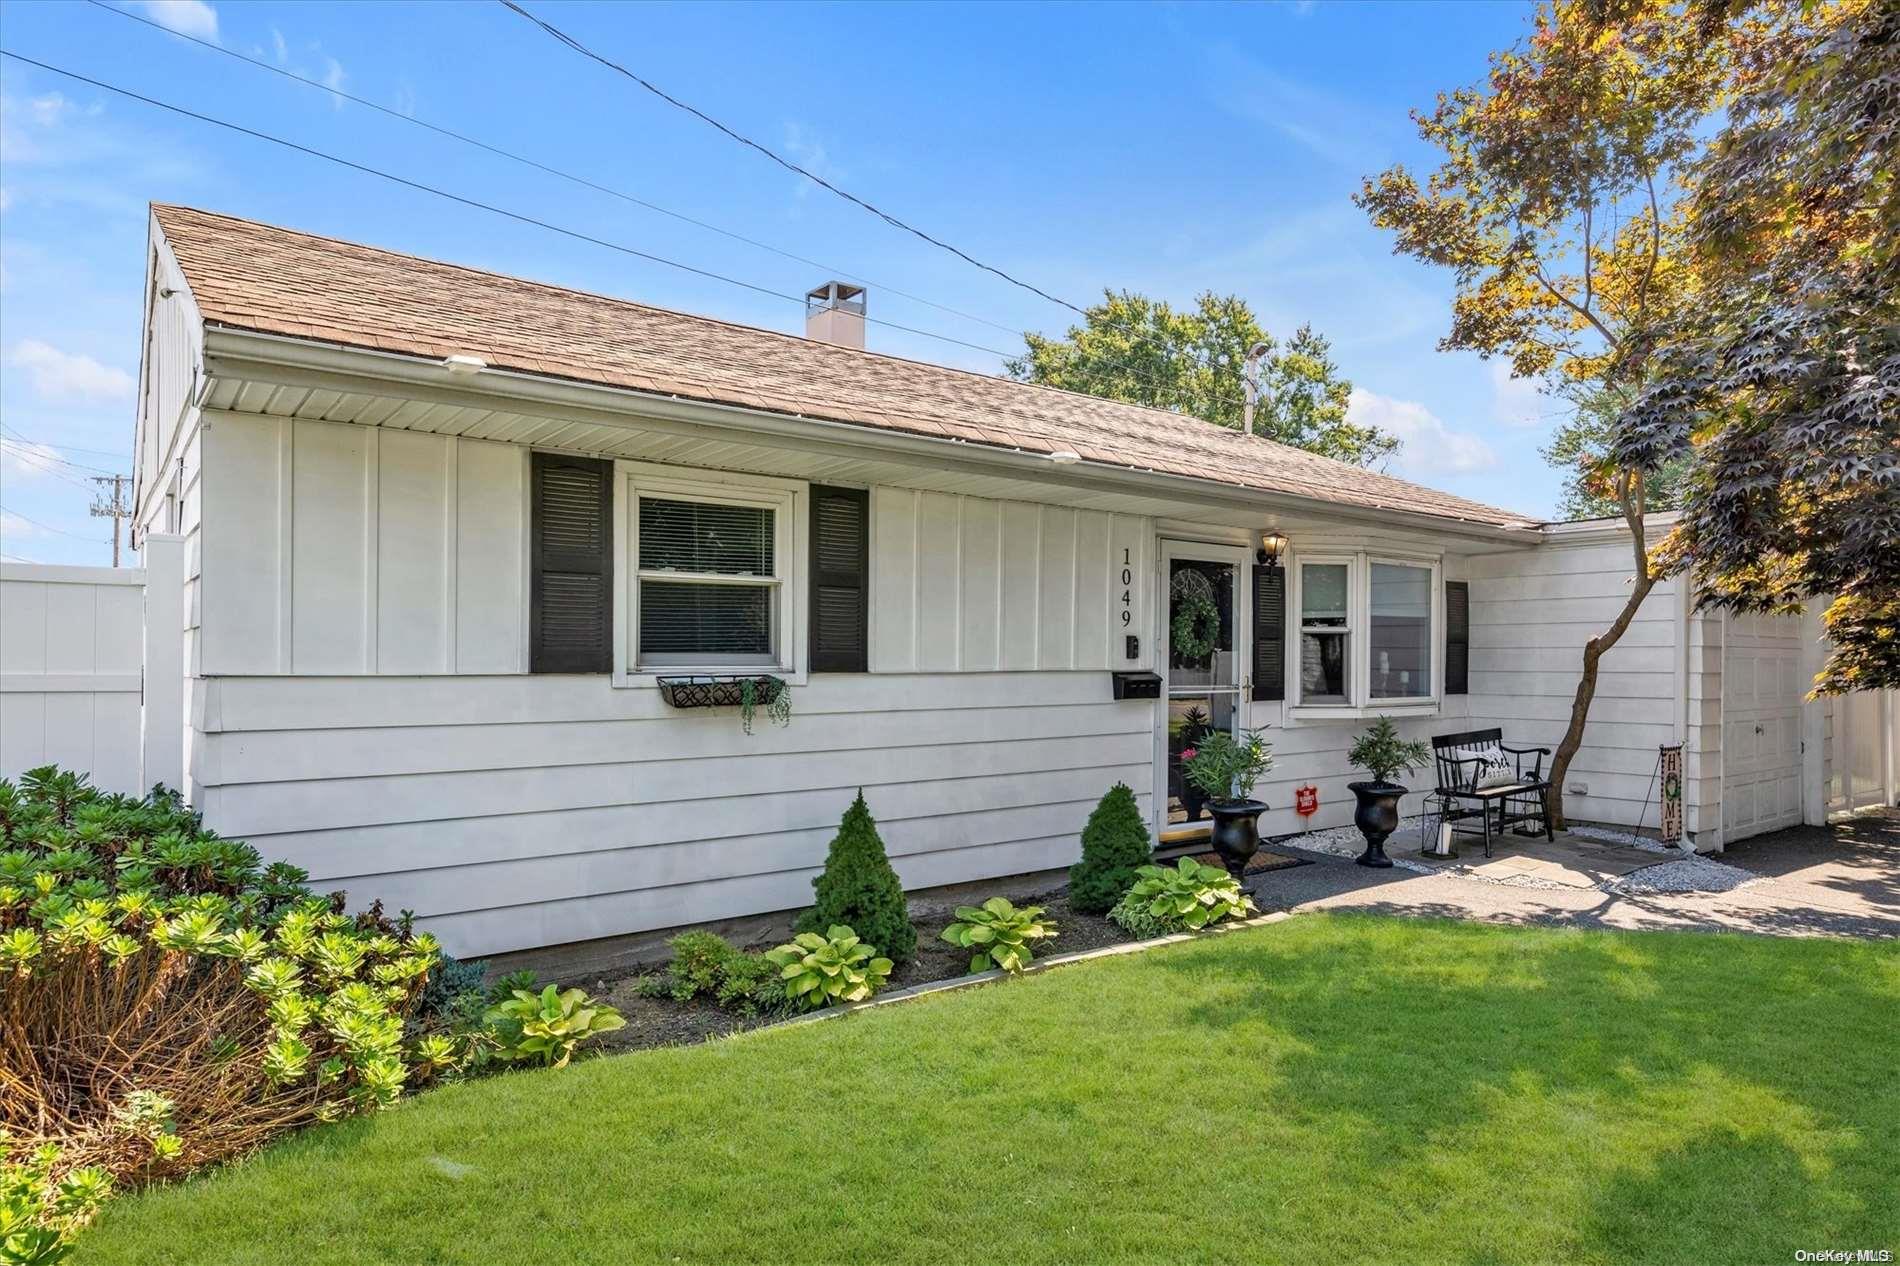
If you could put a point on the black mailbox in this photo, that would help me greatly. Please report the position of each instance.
(1137, 685)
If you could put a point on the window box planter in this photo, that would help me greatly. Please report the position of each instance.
(746, 692)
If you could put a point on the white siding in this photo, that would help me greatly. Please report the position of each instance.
(528, 810)
(1531, 613)
(71, 657)
(965, 584)
(340, 550)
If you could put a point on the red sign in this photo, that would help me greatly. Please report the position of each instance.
(1306, 800)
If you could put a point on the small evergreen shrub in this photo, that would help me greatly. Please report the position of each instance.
(858, 889)
(706, 965)
(750, 984)
(1114, 848)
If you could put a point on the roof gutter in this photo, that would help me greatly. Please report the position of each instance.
(230, 351)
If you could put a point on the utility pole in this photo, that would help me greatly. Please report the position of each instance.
(115, 509)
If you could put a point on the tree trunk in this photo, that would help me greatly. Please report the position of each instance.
(1629, 490)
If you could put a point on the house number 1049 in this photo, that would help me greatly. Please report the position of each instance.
(1128, 583)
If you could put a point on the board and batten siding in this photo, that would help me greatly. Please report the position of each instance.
(976, 585)
(1531, 613)
(365, 711)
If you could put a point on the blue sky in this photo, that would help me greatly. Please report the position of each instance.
(1167, 149)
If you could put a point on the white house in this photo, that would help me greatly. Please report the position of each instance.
(446, 533)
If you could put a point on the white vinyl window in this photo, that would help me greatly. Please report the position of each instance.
(706, 566)
(1369, 633)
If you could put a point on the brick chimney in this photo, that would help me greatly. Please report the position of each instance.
(834, 313)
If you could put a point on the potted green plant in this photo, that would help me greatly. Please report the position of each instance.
(1382, 753)
(1224, 769)
(1194, 724)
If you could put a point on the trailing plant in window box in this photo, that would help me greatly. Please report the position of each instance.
(820, 971)
(999, 934)
(184, 1001)
(770, 691)
(746, 693)
(1184, 898)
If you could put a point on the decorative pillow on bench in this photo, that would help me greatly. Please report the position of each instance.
(1494, 769)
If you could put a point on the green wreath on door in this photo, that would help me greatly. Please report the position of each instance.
(1196, 627)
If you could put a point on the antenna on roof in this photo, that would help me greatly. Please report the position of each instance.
(1251, 372)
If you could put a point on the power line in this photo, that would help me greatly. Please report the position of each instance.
(339, 94)
(584, 182)
(479, 205)
(41, 464)
(782, 161)
(50, 528)
(64, 448)
(34, 446)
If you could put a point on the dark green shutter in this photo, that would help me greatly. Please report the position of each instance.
(1457, 637)
(840, 579)
(571, 576)
(1269, 632)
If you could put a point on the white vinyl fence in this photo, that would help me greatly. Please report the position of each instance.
(75, 688)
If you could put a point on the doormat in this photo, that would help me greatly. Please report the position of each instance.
(1261, 861)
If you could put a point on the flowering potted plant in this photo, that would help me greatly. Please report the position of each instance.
(1224, 769)
(1193, 726)
(1382, 753)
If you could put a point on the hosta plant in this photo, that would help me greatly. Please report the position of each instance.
(1184, 898)
(819, 971)
(168, 1000)
(998, 934)
(547, 1027)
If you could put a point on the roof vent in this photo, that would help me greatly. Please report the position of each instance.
(834, 313)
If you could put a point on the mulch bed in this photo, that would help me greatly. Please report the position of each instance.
(663, 1022)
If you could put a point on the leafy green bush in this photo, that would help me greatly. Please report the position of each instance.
(44, 1204)
(999, 934)
(751, 985)
(184, 1002)
(821, 970)
(859, 889)
(1225, 769)
(1382, 753)
(1114, 847)
(1185, 899)
(548, 1026)
(699, 960)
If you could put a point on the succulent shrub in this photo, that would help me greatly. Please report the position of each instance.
(167, 1000)
(1114, 847)
(547, 1027)
(1184, 898)
(858, 889)
(819, 971)
(999, 934)
(44, 1204)
(751, 985)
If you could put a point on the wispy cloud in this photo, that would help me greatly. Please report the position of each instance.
(1517, 402)
(20, 459)
(13, 527)
(187, 17)
(1336, 128)
(58, 375)
(1430, 447)
(807, 149)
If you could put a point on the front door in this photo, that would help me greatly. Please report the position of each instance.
(1200, 651)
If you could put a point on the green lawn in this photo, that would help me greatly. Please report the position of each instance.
(1325, 1089)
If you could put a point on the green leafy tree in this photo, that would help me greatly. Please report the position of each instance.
(1115, 847)
(1580, 446)
(1782, 389)
(1552, 207)
(1143, 351)
(859, 890)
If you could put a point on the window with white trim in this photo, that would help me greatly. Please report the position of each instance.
(711, 573)
(1370, 629)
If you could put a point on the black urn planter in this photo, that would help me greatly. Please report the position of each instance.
(1236, 834)
(1376, 817)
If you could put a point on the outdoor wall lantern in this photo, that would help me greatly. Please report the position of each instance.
(1272, 546)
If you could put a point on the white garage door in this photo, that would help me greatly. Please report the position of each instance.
(1761, 725)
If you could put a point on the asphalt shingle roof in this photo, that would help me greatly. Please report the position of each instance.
(251, 276)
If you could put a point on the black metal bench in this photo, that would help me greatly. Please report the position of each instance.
(1466, 760)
